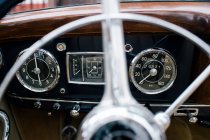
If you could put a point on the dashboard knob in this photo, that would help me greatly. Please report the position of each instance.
(75, 111)
(56, 106)
(37, 104)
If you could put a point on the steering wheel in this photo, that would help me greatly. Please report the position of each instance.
(119, 115)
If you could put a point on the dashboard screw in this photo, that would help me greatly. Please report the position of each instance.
(62, 91)
(128, 48)
(61, 47)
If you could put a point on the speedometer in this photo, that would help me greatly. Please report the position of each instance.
(153, 71)
(40, 72)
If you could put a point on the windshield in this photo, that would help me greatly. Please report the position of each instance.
(29, 5)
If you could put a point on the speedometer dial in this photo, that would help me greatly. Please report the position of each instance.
(153, 71)
(40, 72)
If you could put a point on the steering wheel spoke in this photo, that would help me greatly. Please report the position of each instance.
(121, 111)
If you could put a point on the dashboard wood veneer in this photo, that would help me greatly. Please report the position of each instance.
(193, 16)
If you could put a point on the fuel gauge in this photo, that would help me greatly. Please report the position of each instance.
(76, 68)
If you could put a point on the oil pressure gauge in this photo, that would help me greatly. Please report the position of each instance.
(40, 72)
(153, 71)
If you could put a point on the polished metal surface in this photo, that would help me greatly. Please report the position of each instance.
(5, 121)
(95, 103)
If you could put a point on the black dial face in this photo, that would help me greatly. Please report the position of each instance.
(153, 71)
(40, 72)
(85, 68)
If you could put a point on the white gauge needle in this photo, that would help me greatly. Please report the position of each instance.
(144, 79)
(77, 72)
(91, 70)
(37, 70)
(152, 72)
(94, 67)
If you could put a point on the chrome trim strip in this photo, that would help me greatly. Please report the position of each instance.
(91, 102)
(51, 100)
(68, 68)
(194, 113)
(5, 121)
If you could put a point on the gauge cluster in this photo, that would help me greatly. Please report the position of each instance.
(157, 73)
(85, 68)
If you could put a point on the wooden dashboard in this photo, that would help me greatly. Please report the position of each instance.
(186, 14)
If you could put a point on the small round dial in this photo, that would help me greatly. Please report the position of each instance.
(153, 71)
(40, 72)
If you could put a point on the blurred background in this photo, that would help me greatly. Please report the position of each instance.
(29, 5)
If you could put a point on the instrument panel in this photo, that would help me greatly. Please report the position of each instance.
(85, 68)
(75, 74)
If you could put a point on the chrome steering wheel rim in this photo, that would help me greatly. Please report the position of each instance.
(128, 17)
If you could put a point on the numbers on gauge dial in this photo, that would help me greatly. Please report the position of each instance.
(40, 72)
(153, 71)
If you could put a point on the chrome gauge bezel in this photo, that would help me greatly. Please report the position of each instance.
(47, 88)
(68, 55)
(160, 90)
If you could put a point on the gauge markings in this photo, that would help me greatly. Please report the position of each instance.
(40, 72)
(153, 71)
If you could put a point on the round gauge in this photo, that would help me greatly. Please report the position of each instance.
(153, 71)
(40, 72)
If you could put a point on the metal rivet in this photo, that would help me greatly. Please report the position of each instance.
(128, 48)
(62, 91)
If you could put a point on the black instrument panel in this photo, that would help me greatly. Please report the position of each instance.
(73, 86)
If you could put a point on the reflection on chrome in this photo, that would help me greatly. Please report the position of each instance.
(5, 121)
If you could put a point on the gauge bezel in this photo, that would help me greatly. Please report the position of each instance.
(49, 87)
(160, 90)
(70, 81)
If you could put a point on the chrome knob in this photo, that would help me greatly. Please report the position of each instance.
(56, 106)
(37, 104)
(75, 111)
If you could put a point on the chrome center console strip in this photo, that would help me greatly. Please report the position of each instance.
(5, 121)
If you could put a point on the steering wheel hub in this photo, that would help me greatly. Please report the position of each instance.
(120, 122)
